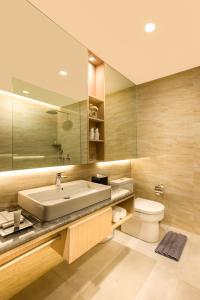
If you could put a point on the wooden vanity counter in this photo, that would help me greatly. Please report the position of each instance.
(26, 256)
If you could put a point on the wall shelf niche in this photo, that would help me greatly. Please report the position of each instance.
(96, 99)
(99, 141)
(95, 120)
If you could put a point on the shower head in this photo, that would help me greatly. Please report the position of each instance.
(51, 112)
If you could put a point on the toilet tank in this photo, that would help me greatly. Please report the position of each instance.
(122, 183)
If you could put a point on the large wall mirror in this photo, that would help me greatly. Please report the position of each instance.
(120, 116)
(39, 61)
(44, 101)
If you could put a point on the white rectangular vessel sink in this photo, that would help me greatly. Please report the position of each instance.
(46, 203)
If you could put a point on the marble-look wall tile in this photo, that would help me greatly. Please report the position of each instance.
(5, 133)
(121, 124)
(169, 144)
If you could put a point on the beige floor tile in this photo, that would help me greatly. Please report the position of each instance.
(62, 292)
(83, 271)
(48, 287)
(122, 238)
(165, 285)
(190, 268)
(160, 284)
(94, 292)
(123, 268)
(123, 277)
(185, 291)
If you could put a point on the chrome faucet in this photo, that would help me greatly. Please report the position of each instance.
(58, 183)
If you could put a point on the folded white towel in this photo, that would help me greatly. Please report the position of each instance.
(118, 213)
(116, 216)
(122, 211)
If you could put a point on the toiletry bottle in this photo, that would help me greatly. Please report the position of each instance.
(92, 134)
(17, 217)
(96, 134)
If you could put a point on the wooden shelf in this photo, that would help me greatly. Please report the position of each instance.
(94, 161)
(96, 91)
(99, 141)
(115, 225)
(95, 100)
(96, 120)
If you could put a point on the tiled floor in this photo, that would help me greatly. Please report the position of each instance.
(124, 268)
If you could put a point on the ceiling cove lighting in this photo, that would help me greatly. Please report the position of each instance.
(63, 73)
(92, 59)
(20, 97)
(150, 27)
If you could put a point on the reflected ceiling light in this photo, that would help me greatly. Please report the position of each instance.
(25, 92)
(92, 58)
(150, 27)
(63, 73)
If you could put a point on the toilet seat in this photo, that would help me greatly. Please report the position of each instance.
(148, 206)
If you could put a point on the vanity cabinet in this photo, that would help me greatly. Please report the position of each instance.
(22, 265)
(84, 234)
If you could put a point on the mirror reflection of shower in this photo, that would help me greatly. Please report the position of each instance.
(62, 159)
(67, 124)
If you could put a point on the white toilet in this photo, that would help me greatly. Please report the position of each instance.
(145, 222)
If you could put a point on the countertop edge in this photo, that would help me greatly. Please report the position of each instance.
(39, 229)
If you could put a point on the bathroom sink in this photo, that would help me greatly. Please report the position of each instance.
(47, 203)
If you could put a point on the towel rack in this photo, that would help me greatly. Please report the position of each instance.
(28, 253)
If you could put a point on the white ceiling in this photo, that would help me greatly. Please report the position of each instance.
(114, 30)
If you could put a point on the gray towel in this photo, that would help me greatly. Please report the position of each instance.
(177, 247)
(169, 246)
(172, 245)
(163, 244)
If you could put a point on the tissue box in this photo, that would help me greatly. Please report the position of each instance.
(100, 179)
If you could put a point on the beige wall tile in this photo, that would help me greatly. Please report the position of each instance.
(120, 124)
(169, 144)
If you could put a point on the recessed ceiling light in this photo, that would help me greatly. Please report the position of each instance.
(63, 73)
(92, 58)
(150, 27)
(25, 92)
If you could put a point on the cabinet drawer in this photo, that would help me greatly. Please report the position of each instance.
(86, 233)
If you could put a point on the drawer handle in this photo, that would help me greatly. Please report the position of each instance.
(26, 254)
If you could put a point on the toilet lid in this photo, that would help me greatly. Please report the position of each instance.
(148, 206)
